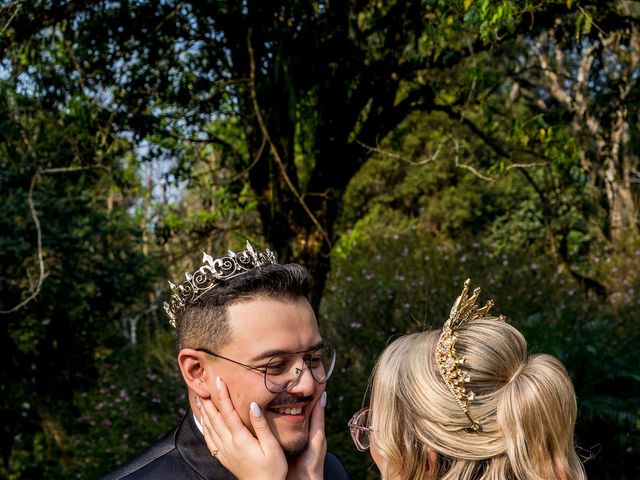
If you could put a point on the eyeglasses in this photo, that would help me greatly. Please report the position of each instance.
(283, 371)
(360, 430)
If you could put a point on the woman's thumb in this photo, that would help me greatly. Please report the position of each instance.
(316, 430)
(260, 426)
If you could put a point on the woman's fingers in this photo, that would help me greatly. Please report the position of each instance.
(247, 456)
(213, 419)
(228, 413)
(263, 432)
(227, 425)
(211, 436)
(316, 428)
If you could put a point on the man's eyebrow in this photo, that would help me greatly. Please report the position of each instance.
(274, 353)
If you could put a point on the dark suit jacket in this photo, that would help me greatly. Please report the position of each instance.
(182, 455)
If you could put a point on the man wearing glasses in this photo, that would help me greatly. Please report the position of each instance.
(245, 320)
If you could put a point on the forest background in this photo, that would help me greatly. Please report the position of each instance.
(393, 147)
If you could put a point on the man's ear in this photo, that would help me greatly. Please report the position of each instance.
(193, 371)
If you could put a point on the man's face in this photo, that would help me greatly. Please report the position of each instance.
(260, 329)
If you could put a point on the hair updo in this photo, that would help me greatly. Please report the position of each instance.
(525, 405)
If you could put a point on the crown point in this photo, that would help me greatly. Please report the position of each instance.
(172, 285)
(207, 258)
(250, 247)
(188, 276)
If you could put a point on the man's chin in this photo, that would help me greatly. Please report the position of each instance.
(295, 449)
(294, 441)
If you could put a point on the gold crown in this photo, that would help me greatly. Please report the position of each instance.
(211, 274)
(449, 362)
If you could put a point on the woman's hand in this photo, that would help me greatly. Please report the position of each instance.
(248, 457)
(310, 465)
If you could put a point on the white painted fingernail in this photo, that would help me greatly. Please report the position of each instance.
(255, 410)
(218, 384)
(323, 399)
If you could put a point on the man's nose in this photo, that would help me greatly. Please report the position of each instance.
(305, 384)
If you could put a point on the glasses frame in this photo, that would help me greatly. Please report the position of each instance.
(262, 372)
(355, 427)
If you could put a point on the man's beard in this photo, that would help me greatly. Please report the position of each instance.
(297, 446)
(295, 449)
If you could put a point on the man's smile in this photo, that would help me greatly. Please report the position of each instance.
(290, 408)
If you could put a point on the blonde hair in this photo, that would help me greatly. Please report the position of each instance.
(525, 404)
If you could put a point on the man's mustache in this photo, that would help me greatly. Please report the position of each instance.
(283, 402)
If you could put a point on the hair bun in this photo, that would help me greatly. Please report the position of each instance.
(518, 371)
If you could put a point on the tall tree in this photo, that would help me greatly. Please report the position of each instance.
(312, 83)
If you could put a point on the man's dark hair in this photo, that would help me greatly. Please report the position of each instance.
(204, 323)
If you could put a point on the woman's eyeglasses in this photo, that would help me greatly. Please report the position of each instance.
(360, 430)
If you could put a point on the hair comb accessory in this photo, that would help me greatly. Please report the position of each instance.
(211, 274)
(449, 362)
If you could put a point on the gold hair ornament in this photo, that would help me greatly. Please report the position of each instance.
(449, 362)
(211, 274)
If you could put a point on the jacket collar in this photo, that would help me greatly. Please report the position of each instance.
(193, 448)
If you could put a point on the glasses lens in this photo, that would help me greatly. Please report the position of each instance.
(321, 363)
(360, 431)
(283, 371)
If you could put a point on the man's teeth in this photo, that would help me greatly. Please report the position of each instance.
(288, 411)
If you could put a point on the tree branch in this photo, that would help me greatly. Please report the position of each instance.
(492, 144)
(34, 214)
(400, 157)
(18, 6)
(468, 167)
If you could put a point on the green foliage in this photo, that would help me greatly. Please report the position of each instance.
(138, 397)
(93, 274)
